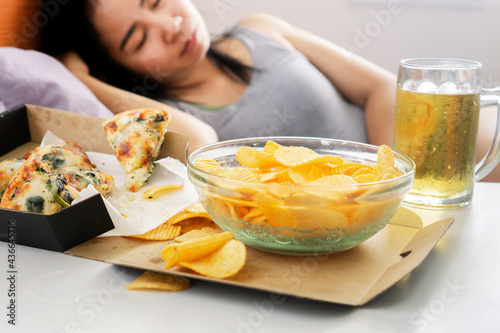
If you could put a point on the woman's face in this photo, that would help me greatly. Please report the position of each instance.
(165, 38)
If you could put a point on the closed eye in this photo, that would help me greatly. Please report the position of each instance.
(155, 4)
(143, 40)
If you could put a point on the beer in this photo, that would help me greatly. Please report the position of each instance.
(438, 131)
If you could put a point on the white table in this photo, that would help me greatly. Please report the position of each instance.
(456, 289)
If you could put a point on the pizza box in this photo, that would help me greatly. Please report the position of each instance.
(21, 130)
(353, 277)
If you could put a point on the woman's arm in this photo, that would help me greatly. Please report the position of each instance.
(358, 80)
(118, 100)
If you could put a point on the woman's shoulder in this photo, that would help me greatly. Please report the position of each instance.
(268, 25)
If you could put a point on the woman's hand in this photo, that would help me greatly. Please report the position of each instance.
(74, 63)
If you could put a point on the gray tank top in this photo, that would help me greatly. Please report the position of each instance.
(287, 96)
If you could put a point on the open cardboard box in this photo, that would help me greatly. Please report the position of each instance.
(352, 277)
(21, 130)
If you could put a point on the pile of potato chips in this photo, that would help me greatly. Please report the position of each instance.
(206, 251)
(324, 192)
(203, 249)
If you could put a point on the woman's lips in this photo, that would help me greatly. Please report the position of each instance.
(190, 43)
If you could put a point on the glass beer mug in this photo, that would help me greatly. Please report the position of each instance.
(436, 124)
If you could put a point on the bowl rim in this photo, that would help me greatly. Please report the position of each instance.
(220, 144)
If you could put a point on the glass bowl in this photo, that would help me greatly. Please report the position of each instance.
(299, 219)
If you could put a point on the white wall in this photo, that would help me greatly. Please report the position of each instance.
(385, 31)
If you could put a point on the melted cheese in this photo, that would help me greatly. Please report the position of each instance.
(79, 178)
(8, 169)
(60, 155)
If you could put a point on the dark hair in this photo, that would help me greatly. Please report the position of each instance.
(70, 29)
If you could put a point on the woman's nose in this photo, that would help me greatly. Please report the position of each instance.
(170, 27)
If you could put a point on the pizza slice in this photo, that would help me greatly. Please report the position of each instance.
(136, 137)
(8, 169)
(34, 189)
(60, 155)
(79, 178)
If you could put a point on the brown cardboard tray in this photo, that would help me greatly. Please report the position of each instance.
(352, 277)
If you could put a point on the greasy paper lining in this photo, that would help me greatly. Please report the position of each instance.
(130, 212)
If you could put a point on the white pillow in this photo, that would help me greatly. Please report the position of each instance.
(32, 77)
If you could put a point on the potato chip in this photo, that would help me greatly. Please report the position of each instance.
(193, 250)
(301, 199)
(331, 187)
(258, 220)
(294, 156)
(217, 206)
(194, 210)
(161, 233)
(243, 210)
(281, 192)
(271, 147)
(283, 177)
(330, 194)
(328, 159)
(195, 223)
(247, 192)
(225, 262)
(210, 166)
(333, 180)
(234, 201)
(348, 168)
(370, 211)
(253, 158)
(254, 212)
(364, 171)
(197, 233)
(300, 174)
(267, 177)
(318, 171)
(385, 157)
(365, 178)
(320, 219)
(276, 215)
(232, 210)
(347, 209)
(160, 281)
(240, 174)
(365, 175)
(391, 172)
(157, 191)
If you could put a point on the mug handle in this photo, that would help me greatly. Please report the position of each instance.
(492, 157)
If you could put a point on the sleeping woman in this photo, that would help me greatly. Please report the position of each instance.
(263, 77)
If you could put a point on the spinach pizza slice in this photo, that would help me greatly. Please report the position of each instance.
(34, 189)
(136, 137)
(79, 178)
(60, 155)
